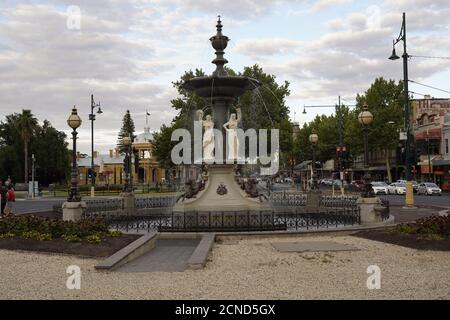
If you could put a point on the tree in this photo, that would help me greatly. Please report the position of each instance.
(48, 145)
(26, 125)
(263, 108)
(127, 130)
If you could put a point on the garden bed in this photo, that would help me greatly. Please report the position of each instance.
(431, 233)
(85, 237)
(105, 248)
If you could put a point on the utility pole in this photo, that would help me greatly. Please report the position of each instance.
(92, 118)
(409, 198)
(33, 159)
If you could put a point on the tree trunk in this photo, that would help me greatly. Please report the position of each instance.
(25, 151)
(388, 167)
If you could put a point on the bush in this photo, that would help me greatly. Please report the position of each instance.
(7, 235)
(71, 238)
(47, 229)
(94, 238)
(115, 233)
(432, 228)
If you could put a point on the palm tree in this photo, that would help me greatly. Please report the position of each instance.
(26, 124)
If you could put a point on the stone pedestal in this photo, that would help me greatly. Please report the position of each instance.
(73, 211)
(222, 193)
(128, 202)
(313, 201)
(370, 210)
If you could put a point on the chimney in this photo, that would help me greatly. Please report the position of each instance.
(110, 153)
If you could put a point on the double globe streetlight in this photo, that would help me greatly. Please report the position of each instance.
(365, 118)
(74, 122)
(313, 138)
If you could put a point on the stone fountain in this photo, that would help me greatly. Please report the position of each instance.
(219, 189)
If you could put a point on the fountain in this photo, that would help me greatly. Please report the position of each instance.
(220, 190)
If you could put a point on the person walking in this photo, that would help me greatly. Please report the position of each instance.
(3, 192)
(10, 199)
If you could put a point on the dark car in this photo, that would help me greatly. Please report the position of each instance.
(358, 184)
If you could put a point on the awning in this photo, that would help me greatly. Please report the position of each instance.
(441, 162)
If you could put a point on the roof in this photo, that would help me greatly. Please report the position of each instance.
(86, 162)
(144, 137)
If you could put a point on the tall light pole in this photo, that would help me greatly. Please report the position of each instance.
(92, 118)
(33, 160)
(127, 163)
(402, 37)
(74, 122)
(313, 138)
(430, 174)
(365, 118)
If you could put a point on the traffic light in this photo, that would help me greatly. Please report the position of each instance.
(89, 172)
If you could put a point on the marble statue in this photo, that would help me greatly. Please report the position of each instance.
(208, 136)
(232, 138)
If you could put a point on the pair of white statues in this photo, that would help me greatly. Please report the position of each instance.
(208, 137)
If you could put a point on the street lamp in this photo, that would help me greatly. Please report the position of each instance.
(92, 118)
(74, 122)
(402, 37)
(313, 138)
(365, 118)
(126, 140)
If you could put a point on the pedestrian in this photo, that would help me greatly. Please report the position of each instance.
(3, 192)
(10, 199)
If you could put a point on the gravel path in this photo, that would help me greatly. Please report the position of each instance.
(248, 269)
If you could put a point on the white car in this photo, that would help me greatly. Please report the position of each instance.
(397, 188)
(379, 187)
(429, 188)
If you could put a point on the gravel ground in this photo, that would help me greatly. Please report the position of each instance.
(247, 269)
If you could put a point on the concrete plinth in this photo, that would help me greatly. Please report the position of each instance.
(370, 210)
(73, 211)
(128, 202)
(222, 193)
(313, 201)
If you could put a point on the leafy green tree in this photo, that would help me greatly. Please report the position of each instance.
(263, 108)
(26, 124)
(46, 143)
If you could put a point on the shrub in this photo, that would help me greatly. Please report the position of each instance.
(71, 238)
(44, 237)
(115, 233)
(94, 238)
(7, 235)
(433, 227)
(44, 228)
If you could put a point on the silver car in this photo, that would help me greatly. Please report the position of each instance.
(429, 188)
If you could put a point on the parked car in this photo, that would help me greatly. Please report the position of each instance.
(397, 188)
(429, 188)
(359, 184)
(380, 187)
(415, 184)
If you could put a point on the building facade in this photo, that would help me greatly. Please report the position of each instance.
(109, 168)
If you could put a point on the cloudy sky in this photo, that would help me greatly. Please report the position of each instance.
(127, 52)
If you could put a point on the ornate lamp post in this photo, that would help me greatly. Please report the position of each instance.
(74, 122)
(127, 163)
(313, 138)
(92, 118)
(366, 118)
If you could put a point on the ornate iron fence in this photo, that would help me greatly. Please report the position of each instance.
(234, 220)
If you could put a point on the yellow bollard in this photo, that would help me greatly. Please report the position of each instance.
(409, 198)
(92, 192)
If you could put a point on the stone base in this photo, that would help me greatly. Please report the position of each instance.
(73, 211)
(222, 193)
(313, 201)
(128, 202)
(369, 210)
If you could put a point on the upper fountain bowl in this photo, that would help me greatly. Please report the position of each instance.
(221, 87)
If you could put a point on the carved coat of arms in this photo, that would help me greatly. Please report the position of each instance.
(221, 189)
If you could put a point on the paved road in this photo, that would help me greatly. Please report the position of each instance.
(37, 205)
(421, 200)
